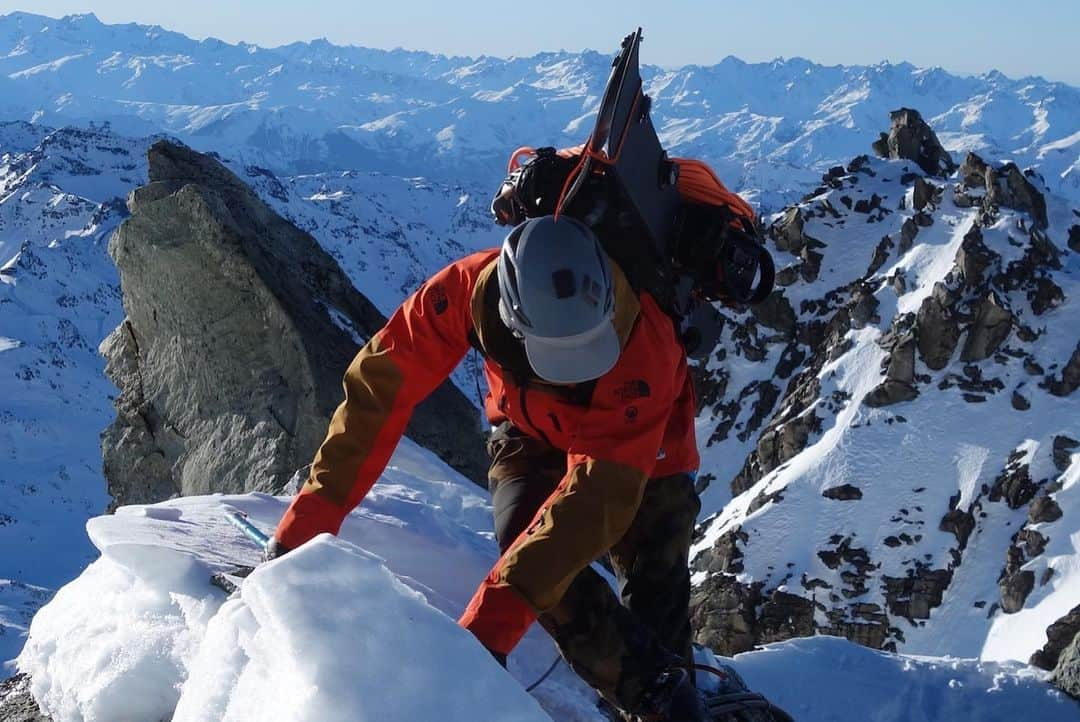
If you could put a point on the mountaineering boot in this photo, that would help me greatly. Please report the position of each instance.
(673, 698)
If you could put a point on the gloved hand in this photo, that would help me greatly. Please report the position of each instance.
(274, 549)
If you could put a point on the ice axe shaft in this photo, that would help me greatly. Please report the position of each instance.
(251, 531)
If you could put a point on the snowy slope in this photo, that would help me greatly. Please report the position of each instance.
(770, 128)
(59, 297)
(359, 627)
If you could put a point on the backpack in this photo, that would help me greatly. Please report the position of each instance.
(715, 252)
(672, 226)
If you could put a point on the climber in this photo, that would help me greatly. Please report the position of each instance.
(592, 452)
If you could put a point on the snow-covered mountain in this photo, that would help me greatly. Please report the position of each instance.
(893, 435)
(770, 128)
(916, 525)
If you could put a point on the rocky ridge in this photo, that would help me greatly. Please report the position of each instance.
(957, 279)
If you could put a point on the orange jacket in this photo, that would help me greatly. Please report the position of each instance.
(634, 423)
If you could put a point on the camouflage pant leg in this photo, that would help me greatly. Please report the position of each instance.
(617, 648)
(652, 561)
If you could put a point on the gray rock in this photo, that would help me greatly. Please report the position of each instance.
(973, 171)
(988, 331)
(1008, 186)
(908, 231)
(1005, 186)
(1019, 402)
(1015, 589)
(960, 524)
(1014, 484)
(724, 614)
(890, 392)
(914, 595)
(902, 361)
(16, 704)
(974, 258)
(1058, 636)
(1066, 675)
(912, 139)
(924, 193)
(788, 231)
(1043, 509)
(230, 361)
(775, 312)
(937, 332)
(1063, 448)
(1070, 376)
(1074, 238)
(844, 492)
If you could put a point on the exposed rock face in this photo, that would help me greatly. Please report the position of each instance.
(937, 332)
(1070, 376)
(1058, 636)
(1005, 186)
(16, 704)
(1063, 449)
(912, 139)
(989, 330)
(239, 328)
(1067, 673)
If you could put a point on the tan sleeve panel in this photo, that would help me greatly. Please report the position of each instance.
(627, 305)
(371, 384)
(587, 514)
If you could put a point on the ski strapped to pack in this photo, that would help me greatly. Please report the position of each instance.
(670, 223)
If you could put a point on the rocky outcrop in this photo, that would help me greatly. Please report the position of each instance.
(1005, 186)
(1070, 376)
(937, 331)
(16, 704)
(1058, 636)
(912, 139)
(239, 328)
(988, 331)
(1066, 675)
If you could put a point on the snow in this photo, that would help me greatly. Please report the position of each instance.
(360, 627)
(401, 571)
(825, 679)
(327, 633)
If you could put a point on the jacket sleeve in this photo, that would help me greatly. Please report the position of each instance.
(405, 361)
(609, 462)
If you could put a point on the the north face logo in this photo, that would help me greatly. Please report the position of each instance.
(633, 390)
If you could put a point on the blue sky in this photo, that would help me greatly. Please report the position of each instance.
(1035, 37)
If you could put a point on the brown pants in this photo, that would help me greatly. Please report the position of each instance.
(618, 644)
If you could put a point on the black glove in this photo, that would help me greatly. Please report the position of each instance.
(274, 549)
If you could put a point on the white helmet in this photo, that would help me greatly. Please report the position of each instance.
(557, 294)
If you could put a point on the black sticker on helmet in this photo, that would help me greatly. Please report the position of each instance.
(565, 287)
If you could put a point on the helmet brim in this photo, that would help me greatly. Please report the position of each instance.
(574, 360)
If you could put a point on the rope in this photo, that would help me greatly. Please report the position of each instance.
(545, 675)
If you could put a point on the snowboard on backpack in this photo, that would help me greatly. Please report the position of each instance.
(670, 224)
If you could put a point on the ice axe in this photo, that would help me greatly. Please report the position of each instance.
(229, 581)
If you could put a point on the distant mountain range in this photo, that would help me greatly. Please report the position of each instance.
(769, 128)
